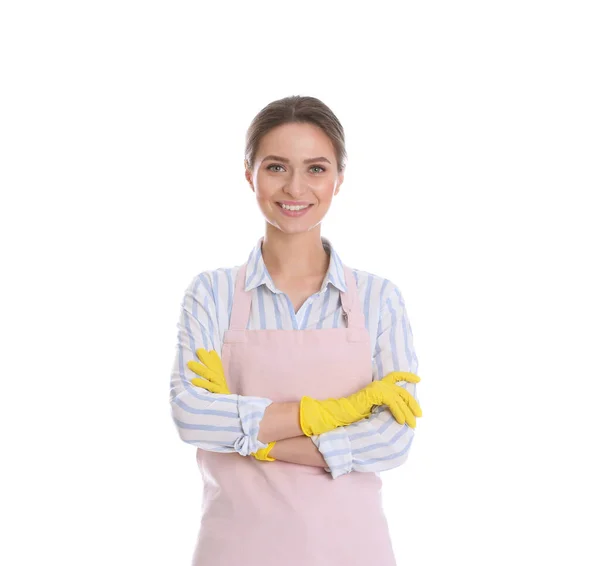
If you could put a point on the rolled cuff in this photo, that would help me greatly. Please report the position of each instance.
(336, 450)
(252, 411)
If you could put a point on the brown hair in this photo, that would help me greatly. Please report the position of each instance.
(301, 109)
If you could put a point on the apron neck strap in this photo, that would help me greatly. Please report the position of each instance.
(242, 300)
(350, 302)
(240, 312)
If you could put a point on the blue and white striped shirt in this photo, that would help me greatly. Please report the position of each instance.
(230, 423)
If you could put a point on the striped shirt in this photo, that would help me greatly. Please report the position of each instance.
(230, 423)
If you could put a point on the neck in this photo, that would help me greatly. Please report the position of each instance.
(294, 255)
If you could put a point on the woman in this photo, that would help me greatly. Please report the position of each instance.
(288, 370)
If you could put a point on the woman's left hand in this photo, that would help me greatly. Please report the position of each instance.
(211, 372)
(263, 453)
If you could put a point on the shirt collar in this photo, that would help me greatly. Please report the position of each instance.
(257, 274)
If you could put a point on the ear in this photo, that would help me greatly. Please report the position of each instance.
(340, 181)
(248, 175)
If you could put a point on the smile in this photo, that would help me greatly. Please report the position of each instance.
(290, 210)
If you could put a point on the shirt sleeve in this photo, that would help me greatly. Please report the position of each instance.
(210, 421)
(378, 442)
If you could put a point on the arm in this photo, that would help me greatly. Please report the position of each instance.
(298, 450)
(280, 421)
(379, 442)
(210, 421)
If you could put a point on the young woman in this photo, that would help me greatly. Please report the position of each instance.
(295, 375)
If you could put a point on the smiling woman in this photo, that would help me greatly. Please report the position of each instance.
(294, 186)
(304, 384)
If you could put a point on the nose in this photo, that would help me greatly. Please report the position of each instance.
(296, 186)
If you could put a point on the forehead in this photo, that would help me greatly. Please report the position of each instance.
(296, 140)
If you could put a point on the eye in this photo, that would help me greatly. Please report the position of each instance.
(274, 165)
(318, 167)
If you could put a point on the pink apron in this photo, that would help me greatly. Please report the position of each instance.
(277, 513)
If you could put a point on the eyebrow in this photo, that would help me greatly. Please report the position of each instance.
(311, 160)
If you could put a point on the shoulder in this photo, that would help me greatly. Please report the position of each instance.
(210, 284)
(373, 285)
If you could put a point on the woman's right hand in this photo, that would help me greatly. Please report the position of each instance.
(317, 417)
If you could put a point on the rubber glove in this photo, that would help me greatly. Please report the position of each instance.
(211, 370)
(263, 453)
(213, 379)
(317, 417)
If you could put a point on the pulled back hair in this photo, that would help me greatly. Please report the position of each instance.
(296, 109)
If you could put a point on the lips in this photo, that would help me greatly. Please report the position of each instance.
(294, 213)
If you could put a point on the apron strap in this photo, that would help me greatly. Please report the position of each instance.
(351, 302)
(240, 312)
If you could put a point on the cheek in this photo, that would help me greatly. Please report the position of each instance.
(325, 190)
(265, 187)
(264, 202)
(264, 199)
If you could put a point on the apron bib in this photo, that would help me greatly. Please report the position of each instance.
(258, 513)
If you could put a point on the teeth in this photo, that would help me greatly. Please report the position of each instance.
(287, 207)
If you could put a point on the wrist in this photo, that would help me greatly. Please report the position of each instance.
(318, 416)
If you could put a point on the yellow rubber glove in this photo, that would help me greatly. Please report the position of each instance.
(317, 417)
(263, 453)
(213, 379)
(211, 370)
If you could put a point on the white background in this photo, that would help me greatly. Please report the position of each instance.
(472, 183)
